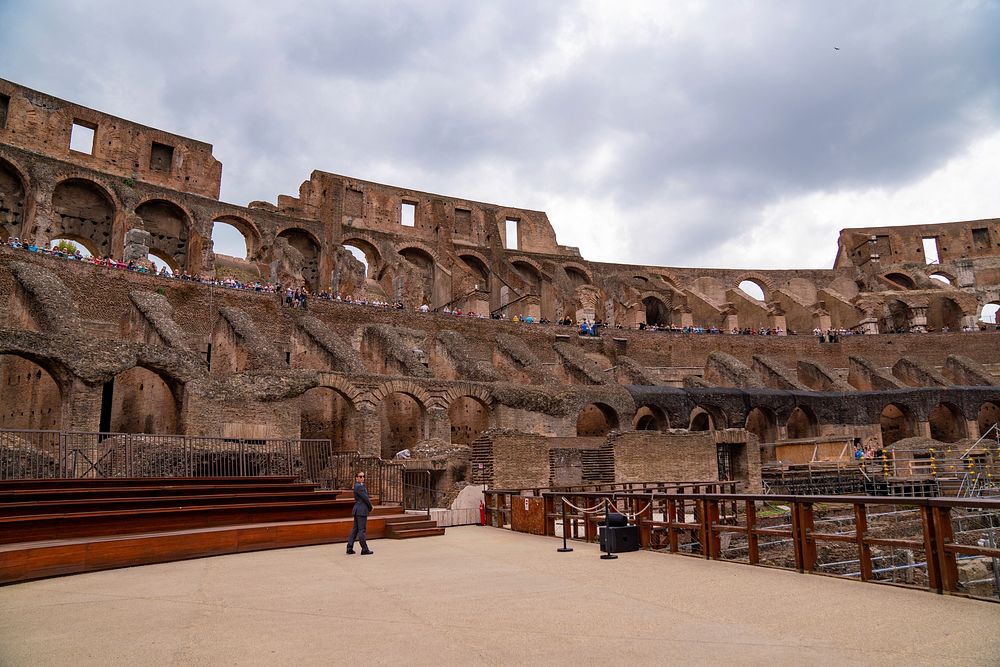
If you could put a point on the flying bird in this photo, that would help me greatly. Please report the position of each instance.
(836, 48)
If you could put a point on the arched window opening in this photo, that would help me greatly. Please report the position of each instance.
(763, 424)
(801, 424)
(479, 270)
(706, 418)
(329, 415)
(947, 423)
(597, 419)
(229, 240)
(403, 422)
(11, 201)
(941, 278)
(72, 246)
(308, 247)
(989, 313)
(531, 277)
(902, 280)
(30, 398)
(469, 418)
(752, 289)
(168, 225)
(85, 213)
(989, 417)
(649, 418)
(895, 424)
(576, 277)
(140, 402)
(657, 312)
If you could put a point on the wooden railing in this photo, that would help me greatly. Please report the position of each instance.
(946, 545)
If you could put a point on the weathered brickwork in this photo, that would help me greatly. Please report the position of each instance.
(85, 347)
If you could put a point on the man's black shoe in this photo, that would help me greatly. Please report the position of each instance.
(366, 552)
(350, 552)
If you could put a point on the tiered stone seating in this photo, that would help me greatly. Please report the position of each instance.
(54, 527)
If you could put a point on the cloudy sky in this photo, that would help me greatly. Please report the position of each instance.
(742, 134)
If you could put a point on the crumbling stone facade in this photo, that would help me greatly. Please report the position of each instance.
(92, 348)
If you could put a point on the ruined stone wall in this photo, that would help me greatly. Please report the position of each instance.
(87, 348)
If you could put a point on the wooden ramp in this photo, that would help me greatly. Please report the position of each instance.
(55, 527)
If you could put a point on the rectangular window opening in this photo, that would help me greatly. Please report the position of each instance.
(931, 250)
(161, 157)
(4, 106)
(408, 214)
(981, 238)
(512, 232)
(81, 137)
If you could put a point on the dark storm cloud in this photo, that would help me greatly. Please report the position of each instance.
(680, 126)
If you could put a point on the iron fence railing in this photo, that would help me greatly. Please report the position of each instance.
(382, 478)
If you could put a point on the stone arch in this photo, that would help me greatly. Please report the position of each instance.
(947, 423)
(897, 316)
(759, 279)
(667, 278)
(658, 311)
(942, 275)
(339, 383)
(249, 230)
(478, 265)
(469, 416)
(85, 243)
(86, 211)
(705, 417)
(141, 400)
(895, 423)
(988, 313)
(578, 275)
(378, 394)
(530, 272)
(988, 417)
(309, 246)
(801, 423)
(596, 420)
(944, 313)
(903, 280)
(763, 423)
(328, 413)
(169, 226)
(373, 258)
(403, 422)
(650, 418)
(410, 244)
(14, 189)
(424, 264)
(31, 396)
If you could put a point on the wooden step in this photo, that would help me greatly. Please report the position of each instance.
(40, 559)
(30, 495)
(98, 482)
(412, 526)
(120, 522)
(77, 506)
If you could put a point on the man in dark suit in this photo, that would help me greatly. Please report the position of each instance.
(362, 506)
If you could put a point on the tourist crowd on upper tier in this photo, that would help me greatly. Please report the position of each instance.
(299, 298)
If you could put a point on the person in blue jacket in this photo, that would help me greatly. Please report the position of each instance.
(362, 506)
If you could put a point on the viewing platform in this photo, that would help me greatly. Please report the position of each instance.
(482, 596)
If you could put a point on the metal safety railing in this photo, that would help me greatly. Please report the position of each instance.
(946, 545)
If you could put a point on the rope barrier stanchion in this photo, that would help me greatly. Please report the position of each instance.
(607, 532)
(564, 549)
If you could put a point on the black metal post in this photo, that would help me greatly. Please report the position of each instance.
(564, 548)
(607, 532)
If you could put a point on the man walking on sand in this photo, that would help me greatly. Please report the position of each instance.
(362, 506)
